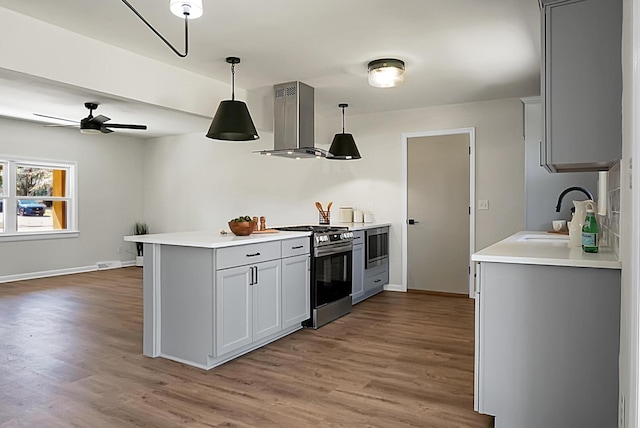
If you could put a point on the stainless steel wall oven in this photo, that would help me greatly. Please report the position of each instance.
(376, 246)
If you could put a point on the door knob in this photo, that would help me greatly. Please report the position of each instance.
(412, 221)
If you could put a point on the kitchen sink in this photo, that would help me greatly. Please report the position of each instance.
(550, 237)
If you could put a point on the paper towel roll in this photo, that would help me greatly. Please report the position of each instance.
(602, 192)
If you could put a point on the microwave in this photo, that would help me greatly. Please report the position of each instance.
(376, 246)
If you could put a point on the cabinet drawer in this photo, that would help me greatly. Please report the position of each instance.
(247, 254)
(376, 281)
(295, 247)
(358, 237)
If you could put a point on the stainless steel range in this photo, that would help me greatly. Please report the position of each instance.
(331, 264)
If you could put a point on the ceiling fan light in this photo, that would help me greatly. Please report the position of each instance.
(386, 73)
(232, 122)
(192, 7)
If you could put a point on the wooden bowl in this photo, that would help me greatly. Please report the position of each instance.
(242, 228)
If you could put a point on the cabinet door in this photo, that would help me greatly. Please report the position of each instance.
(296, 291)
(357, 277)
(233, 309)
(267, 299)
(582, 80)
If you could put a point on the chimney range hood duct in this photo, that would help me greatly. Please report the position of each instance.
(293, 122)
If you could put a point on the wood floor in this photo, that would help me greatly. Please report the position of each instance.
(71, 355)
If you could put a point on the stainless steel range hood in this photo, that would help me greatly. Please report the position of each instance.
(293, 122)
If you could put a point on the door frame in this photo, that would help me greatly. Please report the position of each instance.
(471, 132)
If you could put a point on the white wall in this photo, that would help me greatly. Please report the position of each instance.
(110, 173)
(192, 183)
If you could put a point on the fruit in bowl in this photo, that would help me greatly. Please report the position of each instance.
(242, 226)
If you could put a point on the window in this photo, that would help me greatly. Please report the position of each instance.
(37, 199)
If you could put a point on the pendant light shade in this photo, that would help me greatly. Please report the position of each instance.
(343, 146)
(232, 121)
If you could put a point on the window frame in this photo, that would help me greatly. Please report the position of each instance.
(10, 198)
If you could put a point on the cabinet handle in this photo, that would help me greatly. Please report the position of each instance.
(298, 247)
(251, 280)
(542, 155)
(256, 268)
(253, 255)
(377, 280)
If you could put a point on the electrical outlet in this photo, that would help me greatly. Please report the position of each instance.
(119, 249)
(483, 204)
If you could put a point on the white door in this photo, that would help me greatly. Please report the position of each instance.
(267, 298)
(438, 188)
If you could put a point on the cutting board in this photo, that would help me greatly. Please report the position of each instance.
(561, 232)
(265, 231)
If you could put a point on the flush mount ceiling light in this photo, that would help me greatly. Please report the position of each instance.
(386, 73)
(343, 146)
(232, 121)
(189, 9)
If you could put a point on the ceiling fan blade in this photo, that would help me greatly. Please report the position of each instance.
(56, 118)
(123, 126)
(105, 130)
(52, 125)
(100, 119)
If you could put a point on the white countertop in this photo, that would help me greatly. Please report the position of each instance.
(363, 226)
(211, 239)
(541, 248)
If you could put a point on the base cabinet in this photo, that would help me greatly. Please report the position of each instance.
(357, 276)
(547, 343)
(217, 304)
(247, 305)
(296, 290)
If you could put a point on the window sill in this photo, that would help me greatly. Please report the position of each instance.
(34, 236)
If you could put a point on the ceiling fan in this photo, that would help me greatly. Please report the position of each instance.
(94, 125)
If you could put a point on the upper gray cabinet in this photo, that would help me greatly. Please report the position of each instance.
(581, 84)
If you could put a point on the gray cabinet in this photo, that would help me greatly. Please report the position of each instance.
(375, 279)
(541, 188)
(581, 84)
(547, 343)
(248, 305)
(234, 320)
(357, 276)
(296, 290)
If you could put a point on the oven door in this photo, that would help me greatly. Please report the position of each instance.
(331, 274)
(377, 246)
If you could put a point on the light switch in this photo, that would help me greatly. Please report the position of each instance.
(483, 204)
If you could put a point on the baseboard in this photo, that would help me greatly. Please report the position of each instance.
(55, 272)
(393, 287)
(438, 293)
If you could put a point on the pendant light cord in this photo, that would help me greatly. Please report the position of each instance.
(186, 30)
(343, 120)
(233, 81)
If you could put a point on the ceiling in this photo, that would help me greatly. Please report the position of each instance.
(455, 51)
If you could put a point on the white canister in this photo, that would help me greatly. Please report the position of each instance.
(346, 214)
(358, 216)
(368, 217)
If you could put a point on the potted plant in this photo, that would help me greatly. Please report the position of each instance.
(140, 228)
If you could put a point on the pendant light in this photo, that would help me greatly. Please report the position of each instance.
(343, 146)
(232, 121)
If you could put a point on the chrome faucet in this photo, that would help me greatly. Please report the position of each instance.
(571, 189)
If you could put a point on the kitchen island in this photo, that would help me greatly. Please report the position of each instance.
(209, 298)
(547, 333)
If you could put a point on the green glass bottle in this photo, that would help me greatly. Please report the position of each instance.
(590, 233)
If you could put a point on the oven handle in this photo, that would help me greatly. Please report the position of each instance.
(333, 249)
